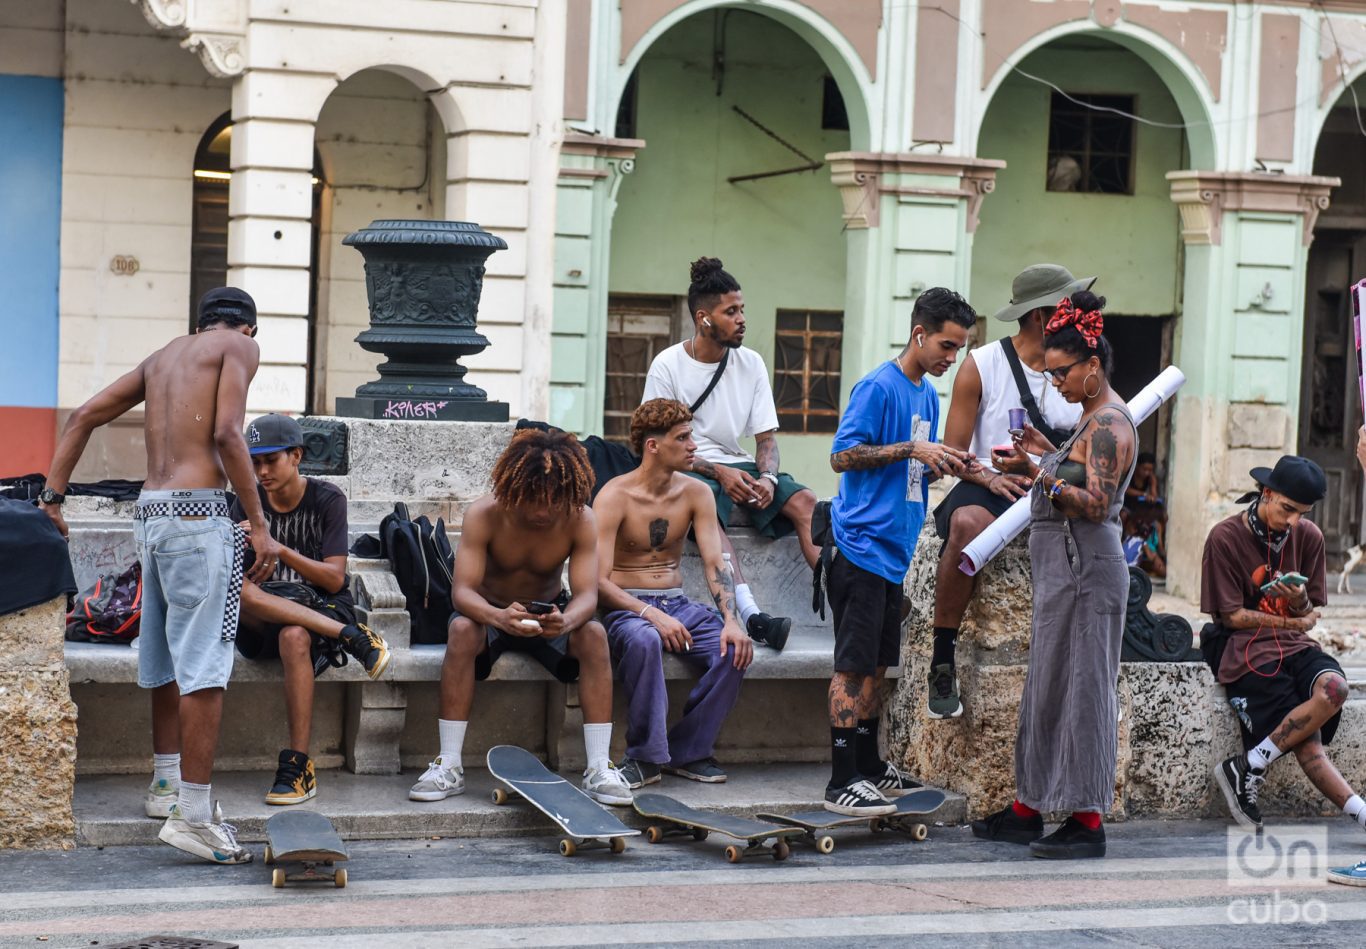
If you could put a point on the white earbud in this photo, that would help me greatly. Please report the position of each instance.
(707, 321)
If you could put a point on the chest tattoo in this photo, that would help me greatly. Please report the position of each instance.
(659, 531)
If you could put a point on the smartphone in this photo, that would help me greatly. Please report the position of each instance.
(537, 608)
(1289, 579)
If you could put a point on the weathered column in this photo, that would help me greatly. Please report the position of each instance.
(38, 720)
(591, 171)
(1239, 342)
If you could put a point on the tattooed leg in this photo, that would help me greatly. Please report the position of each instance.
(1321, 771)
(853, 697)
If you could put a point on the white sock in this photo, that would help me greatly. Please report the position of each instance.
(744, 602)
(166, 768)
(452, 741)
(597, 739)
(194, 802)
(1355, 808)
(1260, 757)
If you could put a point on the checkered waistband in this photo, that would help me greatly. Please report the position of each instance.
(149, 509)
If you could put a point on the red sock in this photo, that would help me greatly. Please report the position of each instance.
(1088, 819)
(1022, 810)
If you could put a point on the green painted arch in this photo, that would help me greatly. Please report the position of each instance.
(1184, 81)
(828, 43)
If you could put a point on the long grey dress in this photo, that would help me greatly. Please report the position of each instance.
(1066, 747)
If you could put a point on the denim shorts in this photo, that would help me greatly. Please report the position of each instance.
(188, 581)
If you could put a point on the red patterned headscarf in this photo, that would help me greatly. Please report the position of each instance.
(1089, 323)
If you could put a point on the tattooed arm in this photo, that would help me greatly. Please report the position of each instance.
(766, 453)
(1109, 450)
(939, 459)
(720, 576)
(1256, 619)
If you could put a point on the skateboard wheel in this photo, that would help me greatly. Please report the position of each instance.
(654, 834)
(500, 796)
(700, 833)
(781, 850)
(567, 848)
(618, 844)
(825, 844)
(875, 825)
(339, 878)
(919, 832)
(733, 854)
(277, 878)
(269, 855)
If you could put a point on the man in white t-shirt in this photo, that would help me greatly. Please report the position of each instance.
(984, 391)
(739, 406)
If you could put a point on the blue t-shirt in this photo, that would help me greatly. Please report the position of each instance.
(879, 511)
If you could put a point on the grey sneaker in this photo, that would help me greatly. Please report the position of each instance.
(705, 770)
(638, 773)
(943, 693)
(162, 795)
(215, 841)
(438, 782)
(607, 786)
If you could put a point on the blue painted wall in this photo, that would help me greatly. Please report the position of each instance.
(30, 234)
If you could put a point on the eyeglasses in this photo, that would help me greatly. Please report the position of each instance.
(1060, 373)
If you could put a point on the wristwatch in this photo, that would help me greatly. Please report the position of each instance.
(770, 476)
(48, 496)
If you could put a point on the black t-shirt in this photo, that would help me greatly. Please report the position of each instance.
(316, 528)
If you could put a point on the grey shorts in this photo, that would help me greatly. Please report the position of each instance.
(191, 588)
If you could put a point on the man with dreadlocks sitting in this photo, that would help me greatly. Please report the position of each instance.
(508, 595)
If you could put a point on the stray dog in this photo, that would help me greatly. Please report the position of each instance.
(1354, 555)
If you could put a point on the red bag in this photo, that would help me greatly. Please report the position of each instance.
(109, 611)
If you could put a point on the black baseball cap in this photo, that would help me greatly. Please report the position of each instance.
(1299, 479)
(273, 433)
(228, 303)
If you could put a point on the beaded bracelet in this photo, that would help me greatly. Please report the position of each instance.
(1056, 490)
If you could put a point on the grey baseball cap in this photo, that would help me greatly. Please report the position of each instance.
(273, 433)
(1040, 285)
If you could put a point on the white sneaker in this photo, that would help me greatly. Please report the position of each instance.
(215, 841)
(607, 786)
(162, 795)
(438, 782)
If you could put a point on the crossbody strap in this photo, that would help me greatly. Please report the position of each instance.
(1027, 401)
(716, 377)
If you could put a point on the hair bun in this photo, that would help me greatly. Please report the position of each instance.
(704, 267)
(1086, 301)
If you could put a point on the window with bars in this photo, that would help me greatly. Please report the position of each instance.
(1091, 149)
(806, 369)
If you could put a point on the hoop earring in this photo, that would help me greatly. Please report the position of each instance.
(1093, 375)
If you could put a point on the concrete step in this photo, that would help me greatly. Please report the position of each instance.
(109, 807)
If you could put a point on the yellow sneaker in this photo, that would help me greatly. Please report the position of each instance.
(295, 781)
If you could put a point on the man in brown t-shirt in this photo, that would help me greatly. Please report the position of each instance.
(1262, 577)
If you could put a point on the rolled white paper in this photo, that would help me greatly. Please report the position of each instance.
(1007, 527)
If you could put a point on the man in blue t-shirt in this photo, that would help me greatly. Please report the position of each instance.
(886, 452)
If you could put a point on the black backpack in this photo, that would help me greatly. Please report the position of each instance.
(421, 557)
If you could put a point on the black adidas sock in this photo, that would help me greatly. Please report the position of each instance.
(865, 748)
(945, 641)
(843, 756)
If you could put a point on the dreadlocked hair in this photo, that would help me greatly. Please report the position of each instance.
(655, 418)
(543, 469)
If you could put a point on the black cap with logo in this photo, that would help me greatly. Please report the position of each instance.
(273, 433)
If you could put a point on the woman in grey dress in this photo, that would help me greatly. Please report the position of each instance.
(1066, 746)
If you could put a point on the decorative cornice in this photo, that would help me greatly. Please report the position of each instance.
(860, 177)
(1203, 196)
(218, 40)
(597, 146)
(163, 14)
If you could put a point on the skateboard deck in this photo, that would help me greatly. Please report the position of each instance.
(587, 823)
(919, 803)
(308, 838)
(679, 819)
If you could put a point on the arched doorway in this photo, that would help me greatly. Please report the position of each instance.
(737, 111)
(1330, 401)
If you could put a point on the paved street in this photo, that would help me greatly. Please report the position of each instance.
(1165, 884)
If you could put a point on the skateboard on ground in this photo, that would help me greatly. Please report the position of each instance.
(678, 819)
(309, 838)
(588, 823)
(919, 803)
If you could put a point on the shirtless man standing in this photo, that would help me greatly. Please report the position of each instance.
(643, 519)
(508, 595)
(195, 390)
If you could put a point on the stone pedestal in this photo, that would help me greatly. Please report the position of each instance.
(38, 721)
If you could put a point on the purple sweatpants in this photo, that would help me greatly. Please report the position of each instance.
(637, 654)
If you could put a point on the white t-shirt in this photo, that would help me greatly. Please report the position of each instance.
(1000, 394)
(740, 406)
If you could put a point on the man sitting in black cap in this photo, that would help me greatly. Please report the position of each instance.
(1262, 577)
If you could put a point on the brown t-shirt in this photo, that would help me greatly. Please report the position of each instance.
(1234, 568)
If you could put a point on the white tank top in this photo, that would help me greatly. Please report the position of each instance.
(1000, 394)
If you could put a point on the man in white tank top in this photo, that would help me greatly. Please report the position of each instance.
(984, 392)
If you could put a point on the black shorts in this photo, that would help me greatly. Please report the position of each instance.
(867, 611)
(1261, 702)
(552, 654)
(262, 641)
(967, 494)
